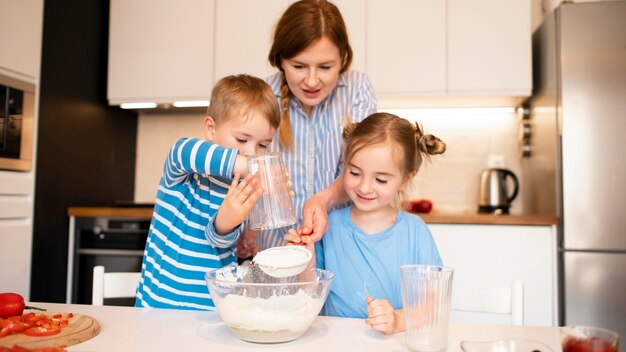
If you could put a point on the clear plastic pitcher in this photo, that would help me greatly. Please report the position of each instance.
(426, 294)
(275, 208)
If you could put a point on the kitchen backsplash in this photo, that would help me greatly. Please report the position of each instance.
(450, 180)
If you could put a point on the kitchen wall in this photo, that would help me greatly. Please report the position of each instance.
(450, 180)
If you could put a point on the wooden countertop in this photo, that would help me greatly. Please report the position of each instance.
(117, 212)
(430, 218)
(490, 219)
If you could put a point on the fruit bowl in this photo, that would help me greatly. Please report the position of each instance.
(260, 308)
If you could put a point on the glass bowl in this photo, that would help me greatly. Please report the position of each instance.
(260, 308)
(509, 345)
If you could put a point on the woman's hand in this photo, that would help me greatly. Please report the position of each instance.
(381, 316)
(237, 204)
(314, 218)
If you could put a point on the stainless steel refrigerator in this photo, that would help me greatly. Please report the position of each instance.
(577, 168)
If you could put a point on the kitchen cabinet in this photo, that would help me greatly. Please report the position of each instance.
(495, 255)
(160, 51)
(20, 45)
(243, 36)
(452, 48)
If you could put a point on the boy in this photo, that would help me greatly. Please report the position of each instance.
(201, 202)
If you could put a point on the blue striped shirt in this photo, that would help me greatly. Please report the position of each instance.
(182, 243)
(315, 161)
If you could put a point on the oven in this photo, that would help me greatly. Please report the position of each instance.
(116, 243)
(17, 107)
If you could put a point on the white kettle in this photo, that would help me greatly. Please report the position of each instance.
(495, 197)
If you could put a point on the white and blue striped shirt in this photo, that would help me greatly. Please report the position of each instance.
(315, 161)
(182, 243)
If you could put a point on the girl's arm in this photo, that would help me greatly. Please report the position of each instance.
(382, 317)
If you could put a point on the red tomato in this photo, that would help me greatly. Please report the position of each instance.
(13, 326)
(11, 304)
(42, 331)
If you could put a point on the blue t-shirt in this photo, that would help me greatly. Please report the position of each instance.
(369, 265)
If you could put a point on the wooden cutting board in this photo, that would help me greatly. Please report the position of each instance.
(81, 328)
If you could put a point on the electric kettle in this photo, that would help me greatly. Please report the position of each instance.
(495, 197)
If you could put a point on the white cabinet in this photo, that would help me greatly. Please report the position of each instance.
(160, 51)
(495, 255)
(489, 47)
(20, 43)
(474, 48)
(243, 36)
(406, 47)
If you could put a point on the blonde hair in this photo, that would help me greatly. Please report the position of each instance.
(380, 128)
(302, 24)
(244, 92)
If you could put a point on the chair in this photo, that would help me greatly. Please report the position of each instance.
(494, 300)
(112, 285)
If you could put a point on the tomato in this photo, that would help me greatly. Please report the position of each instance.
(11, 304)
(13, 326)
(42, 330)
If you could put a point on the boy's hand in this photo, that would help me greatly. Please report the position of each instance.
(381, 316)
(237, 204)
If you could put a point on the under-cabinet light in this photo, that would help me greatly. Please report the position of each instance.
(451, 111)
(138, 105)
(191, 103)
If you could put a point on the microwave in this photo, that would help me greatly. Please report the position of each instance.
(17, 108)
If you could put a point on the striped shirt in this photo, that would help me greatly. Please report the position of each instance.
(315, 161)
(182, 243)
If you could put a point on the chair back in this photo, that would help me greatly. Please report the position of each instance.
(112, 285)
(494, 300)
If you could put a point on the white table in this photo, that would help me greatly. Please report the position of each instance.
(137, 329)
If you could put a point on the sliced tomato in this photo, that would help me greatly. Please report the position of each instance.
(42, 331)
(4, 332)
(13, 326)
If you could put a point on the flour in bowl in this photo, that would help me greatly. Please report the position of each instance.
(283, 257)
(276, 313)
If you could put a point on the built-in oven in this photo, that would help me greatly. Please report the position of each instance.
(17, 107)
(116, 243)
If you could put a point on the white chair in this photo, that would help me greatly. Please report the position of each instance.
(494, 300)
(112, 285)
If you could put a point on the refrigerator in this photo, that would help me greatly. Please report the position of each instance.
(577, 167)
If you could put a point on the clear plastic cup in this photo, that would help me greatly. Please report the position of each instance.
(426, 294)
(275, 208)
(588, 339)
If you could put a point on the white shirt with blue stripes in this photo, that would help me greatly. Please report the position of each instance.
(315, 161)
(182, 243)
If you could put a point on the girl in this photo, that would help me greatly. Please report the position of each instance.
(317, 93)
(368, 241)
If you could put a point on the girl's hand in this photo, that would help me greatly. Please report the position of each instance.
(294, 237)
(381, 316)
(237, 204)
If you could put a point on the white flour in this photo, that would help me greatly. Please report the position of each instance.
(282, 257)
(277, 313)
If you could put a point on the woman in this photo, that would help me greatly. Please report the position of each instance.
(318, 94)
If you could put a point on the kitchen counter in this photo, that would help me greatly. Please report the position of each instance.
(430, 218)
(139, 329)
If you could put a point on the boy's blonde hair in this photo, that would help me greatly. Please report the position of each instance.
(246, 93)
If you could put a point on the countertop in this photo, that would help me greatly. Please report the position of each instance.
(434, 217)
(140, 329)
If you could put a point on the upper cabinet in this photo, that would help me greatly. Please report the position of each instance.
(412, 49)
(20, 45)
(243, 36)
(452, 48)
(160, 51)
